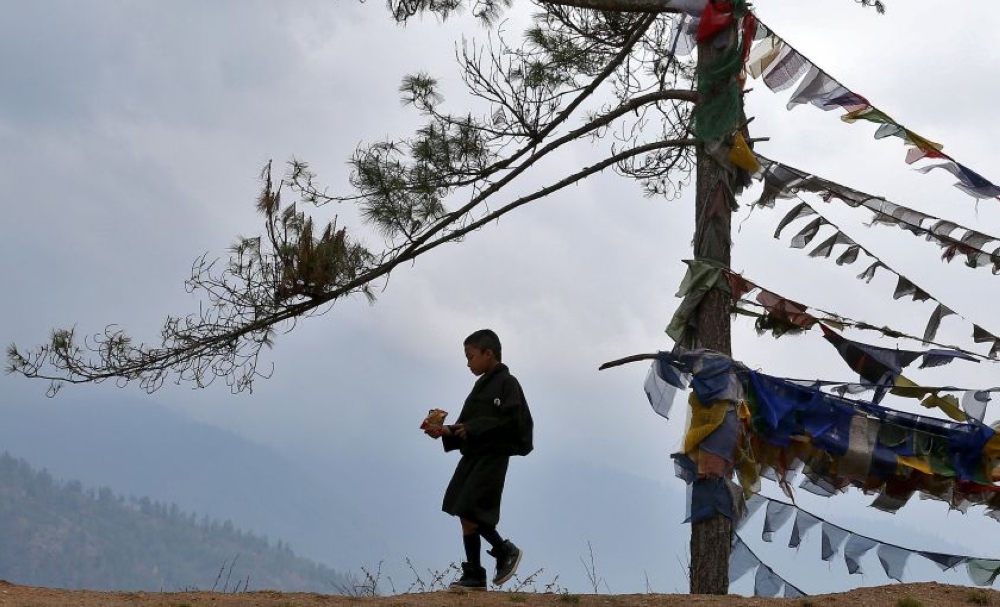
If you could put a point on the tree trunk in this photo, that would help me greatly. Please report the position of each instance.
(715, 186)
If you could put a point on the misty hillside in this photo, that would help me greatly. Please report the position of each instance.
(346, 512)
(143, 449)
(59, 534)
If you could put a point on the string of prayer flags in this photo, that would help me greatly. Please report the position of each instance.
(781, 66)
(853, 546)
(905, 287)
(879, 365)
(969, 181)
(783, 181)
(664, 381)
(841, 442)
(883, 368)
(780, 429)
(799, 316)
(767, 583)
(836, 442)
(784, 315)
(770, 427)
(973, 403)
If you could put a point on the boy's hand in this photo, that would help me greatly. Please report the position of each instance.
(439, 431)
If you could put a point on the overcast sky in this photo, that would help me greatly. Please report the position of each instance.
(132, 135)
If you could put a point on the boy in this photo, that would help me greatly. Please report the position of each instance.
(494, 424)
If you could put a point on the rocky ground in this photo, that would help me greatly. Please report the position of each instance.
(897, 595)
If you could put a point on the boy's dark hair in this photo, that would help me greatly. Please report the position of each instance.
(484, 339)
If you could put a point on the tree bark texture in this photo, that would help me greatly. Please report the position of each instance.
(715, 200)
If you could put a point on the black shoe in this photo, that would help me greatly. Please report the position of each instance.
(473, 578)
(508, 558)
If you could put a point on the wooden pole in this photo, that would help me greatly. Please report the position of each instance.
(711, 539)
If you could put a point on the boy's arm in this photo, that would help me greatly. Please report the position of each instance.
(449, 439)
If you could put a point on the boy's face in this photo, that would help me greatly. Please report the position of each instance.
(479, 361)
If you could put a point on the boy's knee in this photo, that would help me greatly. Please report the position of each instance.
(469, 527)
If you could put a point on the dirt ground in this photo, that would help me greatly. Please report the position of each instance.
(898, 595)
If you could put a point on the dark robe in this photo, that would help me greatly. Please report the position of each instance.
(498, 424)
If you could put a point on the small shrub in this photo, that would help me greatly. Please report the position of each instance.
(528, 584)
(553, 587)
(908, 601)
(354, 588)
(978, 597)
(566, 597)
(435, 581)
(517, 598)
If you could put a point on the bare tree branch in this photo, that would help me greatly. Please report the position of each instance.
(297, 268)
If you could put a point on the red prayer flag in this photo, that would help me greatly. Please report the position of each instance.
(785, 309)
(738, 286)
(749, 33)
(714, 19)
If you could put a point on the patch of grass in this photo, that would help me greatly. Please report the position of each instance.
(908, 601)
(978, 597)
(517, 598)
(806, 603)
(566, 597)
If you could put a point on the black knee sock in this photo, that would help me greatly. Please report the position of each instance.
(472, 549)
(490, 535)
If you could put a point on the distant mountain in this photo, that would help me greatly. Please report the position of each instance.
(59, 534)
(350, 512)
(142, 449)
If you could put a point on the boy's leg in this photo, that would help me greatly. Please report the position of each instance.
(470, 538)
(473, 574)
(490, 535)
(507, 554)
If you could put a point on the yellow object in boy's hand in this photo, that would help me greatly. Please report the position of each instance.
(434, 419)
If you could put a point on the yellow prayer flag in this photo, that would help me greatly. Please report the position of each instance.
(917, 463)
(992, 448)
(907, 389)
(948, 404)
(741, 156)
(868, 113)
(921, 142)
(704, 421)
